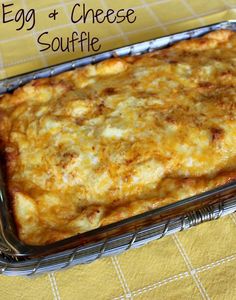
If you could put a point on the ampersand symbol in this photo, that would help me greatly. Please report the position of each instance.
(53, 15)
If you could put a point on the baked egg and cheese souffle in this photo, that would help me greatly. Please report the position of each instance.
(108, 141)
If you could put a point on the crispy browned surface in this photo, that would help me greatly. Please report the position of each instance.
(102, 143)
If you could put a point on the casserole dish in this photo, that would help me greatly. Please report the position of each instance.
(11, 245)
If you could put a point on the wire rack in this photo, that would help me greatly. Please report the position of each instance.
(27, 267)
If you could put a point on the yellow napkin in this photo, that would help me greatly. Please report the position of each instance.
(199, 263)
(196, 264)
(19, 50)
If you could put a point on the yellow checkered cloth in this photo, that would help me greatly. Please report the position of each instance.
(196, 264)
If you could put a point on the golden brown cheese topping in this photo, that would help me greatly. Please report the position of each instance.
(112, 140)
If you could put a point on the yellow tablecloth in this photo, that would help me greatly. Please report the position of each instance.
(196, 264)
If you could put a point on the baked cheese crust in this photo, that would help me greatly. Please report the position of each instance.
(108, 141)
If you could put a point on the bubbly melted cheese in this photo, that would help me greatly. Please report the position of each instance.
(108, 141)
